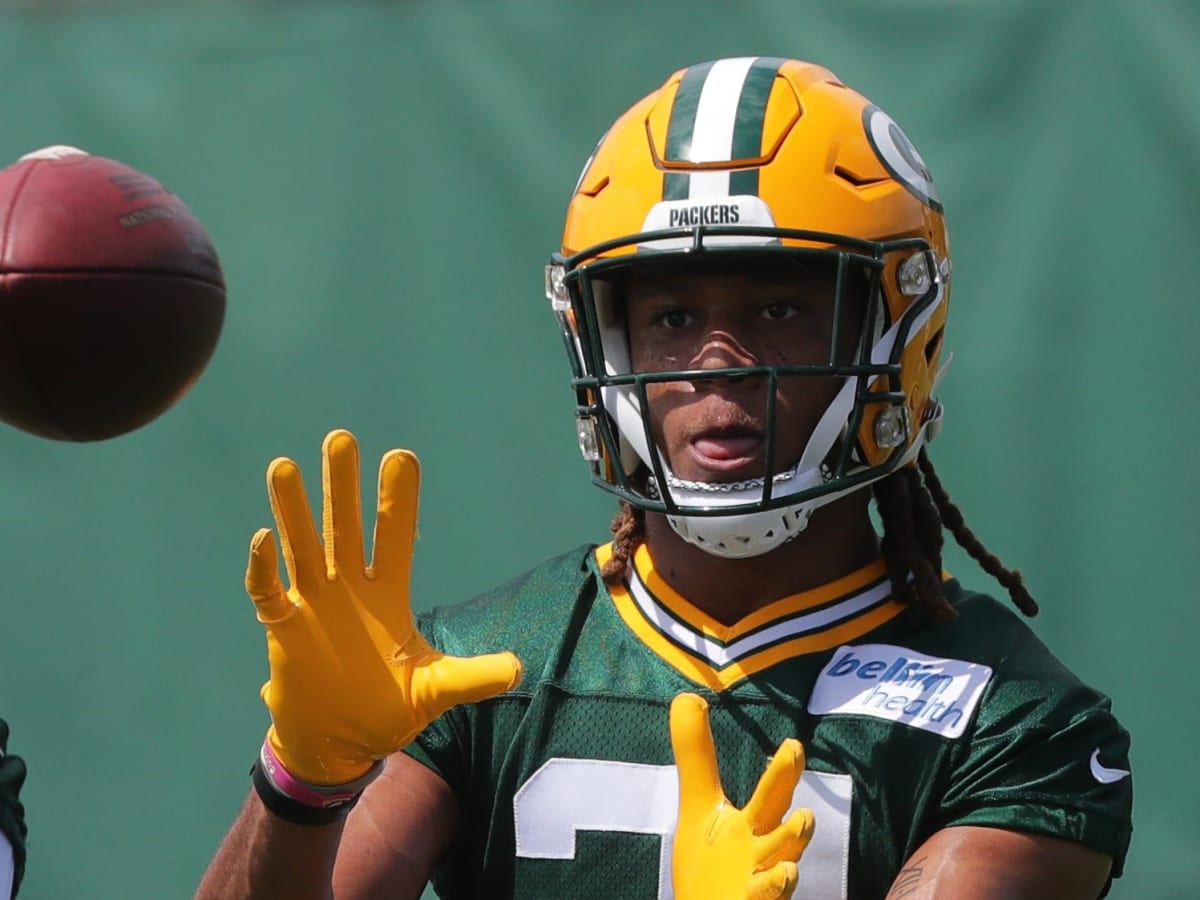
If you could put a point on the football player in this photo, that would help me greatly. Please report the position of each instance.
(752, 290)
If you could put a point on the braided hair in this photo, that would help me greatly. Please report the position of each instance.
(629, 530)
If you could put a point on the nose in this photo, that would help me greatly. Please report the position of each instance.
(722, 350)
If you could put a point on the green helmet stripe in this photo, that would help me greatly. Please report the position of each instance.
(683, 111)
(743, 182)
(751, 115)
(731, 95)
(676, 185)
(752, 107)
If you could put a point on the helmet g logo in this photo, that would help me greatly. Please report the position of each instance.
(899, 156)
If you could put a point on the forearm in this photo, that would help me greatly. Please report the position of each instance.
(980, 863)
(265, 857)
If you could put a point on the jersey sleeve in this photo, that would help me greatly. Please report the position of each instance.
(1046, 755)
(527, 616)
(442, 745)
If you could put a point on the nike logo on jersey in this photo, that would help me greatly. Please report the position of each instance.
(1103, 774)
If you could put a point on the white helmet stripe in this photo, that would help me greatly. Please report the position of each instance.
(882, 351)
(716, 113)
(829, 427)
(716, 118)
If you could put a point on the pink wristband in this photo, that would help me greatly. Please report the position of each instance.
(293, 788)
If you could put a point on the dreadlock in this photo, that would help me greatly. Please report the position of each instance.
(1010, 579)
(915, 510)
(629, 529)
(912, 543)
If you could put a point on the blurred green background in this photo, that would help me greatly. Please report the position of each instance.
(384, 183)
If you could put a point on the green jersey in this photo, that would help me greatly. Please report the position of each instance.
(567, 785)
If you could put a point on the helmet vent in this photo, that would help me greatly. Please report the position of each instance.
(857, 180)
(593, 190)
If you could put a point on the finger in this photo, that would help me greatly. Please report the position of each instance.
(297, 534)
(788, 842)
(262, 579)
(396, 520)
(450, 680)
(342, 513)
(777, 883)
(773, 794)
(695, 753)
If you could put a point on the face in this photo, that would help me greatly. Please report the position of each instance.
(715, 430)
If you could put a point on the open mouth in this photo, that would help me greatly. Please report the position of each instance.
(726, 450)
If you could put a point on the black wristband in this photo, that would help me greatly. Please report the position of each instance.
(292, 810)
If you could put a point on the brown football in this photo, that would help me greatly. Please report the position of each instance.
(111, 296)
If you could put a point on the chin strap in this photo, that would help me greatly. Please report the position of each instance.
(745, 535)
(752, 534)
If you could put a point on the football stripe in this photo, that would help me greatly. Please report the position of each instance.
(743, 182)
(676, 185)
(716, 121)
(717, 116)
(683, 113)
(752, 107)
(716, 113)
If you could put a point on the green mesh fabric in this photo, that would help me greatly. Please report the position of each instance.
(594, 696)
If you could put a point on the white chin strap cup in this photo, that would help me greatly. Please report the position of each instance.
(743, 535)
(739, 537)
(752, 534)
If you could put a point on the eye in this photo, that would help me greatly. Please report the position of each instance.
(777, 312)
(674, 318)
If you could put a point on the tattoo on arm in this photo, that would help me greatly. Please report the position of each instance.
(908, 881)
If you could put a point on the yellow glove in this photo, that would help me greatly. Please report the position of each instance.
(352, 680)
(722, 852)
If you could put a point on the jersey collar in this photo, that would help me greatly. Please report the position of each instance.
(717, 655)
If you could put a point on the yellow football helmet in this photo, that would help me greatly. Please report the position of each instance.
(750, 161)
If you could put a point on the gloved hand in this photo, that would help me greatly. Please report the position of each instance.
(352, 680)
(722, 852)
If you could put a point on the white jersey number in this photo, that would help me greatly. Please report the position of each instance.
(566, 796)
